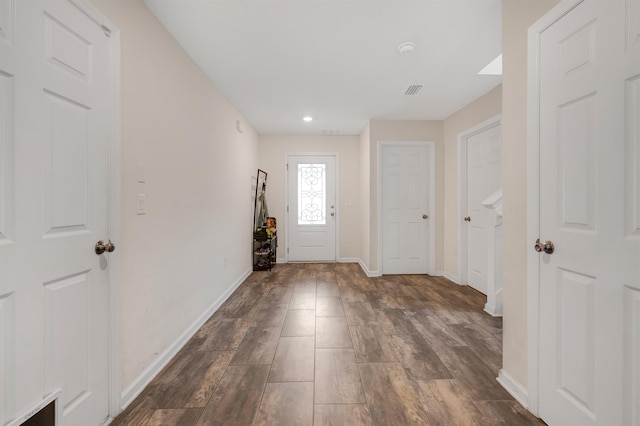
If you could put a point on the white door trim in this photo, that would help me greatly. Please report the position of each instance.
(336, 155)
(115, 173)
(432, 198)
(533, 196)
(463, 138)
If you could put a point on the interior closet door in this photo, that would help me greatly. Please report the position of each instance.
(54, 207)
(406, 200)
(589, 244)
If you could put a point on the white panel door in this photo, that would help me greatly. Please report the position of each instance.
(484, 177)
(54, 203)
(312, 208)
(589, 209)
(406, 208)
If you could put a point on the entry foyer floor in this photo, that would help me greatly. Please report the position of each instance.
(323, 344)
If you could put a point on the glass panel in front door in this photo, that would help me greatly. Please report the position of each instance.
(312, 194)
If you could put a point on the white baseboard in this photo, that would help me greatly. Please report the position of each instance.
(366, 270)
(280, 260)
(514, 388)
(451, 277)
(348, 260)
(437, 274)
(138, 385)
(492, 310)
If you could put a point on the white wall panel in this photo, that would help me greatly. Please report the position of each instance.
(66, 340)
(577, 163)
(632, 355)
(633, 23)
(7, 8)
(577, 51)
(632, 175)
(66, 49)
(392, 246)
(7, 361)
(414, 230)
(576, 340)
(6, 156)
(66, 178)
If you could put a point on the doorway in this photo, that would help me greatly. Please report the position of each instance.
(480, 175)
(584, 227)
(59, 195)
(407, 201)
(312, 208)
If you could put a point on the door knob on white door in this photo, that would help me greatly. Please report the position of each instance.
(467, 219)
(425, 216)
(101, 247)
(547, 247)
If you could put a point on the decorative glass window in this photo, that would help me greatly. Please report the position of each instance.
(312, 204)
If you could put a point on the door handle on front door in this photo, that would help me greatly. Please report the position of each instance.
(467, 219)
(101, 247)
(547, 247)
(425, 216)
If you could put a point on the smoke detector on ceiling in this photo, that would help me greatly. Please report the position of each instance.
(407, 47)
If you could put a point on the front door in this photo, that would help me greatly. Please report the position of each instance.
(484, 177)
(589, 289)
(312, 208)
(407, 208)
(54, 204)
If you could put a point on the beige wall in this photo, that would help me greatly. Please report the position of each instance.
(272, 151)
(404, 130)
(517, 16)
(478, 111)
(199, 172)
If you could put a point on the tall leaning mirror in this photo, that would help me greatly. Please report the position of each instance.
(260, 212)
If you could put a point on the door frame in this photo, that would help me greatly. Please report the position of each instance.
(431, 146)
(115, 197)
(336, 155)
(463, 138)
(531, 398)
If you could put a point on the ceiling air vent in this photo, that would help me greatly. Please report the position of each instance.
(414, 89)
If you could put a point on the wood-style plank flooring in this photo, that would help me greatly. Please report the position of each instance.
(322, 344)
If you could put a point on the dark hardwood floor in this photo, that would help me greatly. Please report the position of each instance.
(322, 344)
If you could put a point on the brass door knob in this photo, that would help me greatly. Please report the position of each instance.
(467, 219)
(101, 247)
(546, 247)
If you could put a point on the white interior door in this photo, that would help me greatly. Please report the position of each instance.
(54, 203)
(484, 177)
(312, 208)
(589, 353)
(407, 217)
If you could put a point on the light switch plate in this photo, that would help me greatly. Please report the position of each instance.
(141, 204)
(142, 178)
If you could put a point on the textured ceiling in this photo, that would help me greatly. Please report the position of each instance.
(338, 61)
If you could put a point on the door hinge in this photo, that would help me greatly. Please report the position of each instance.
(287, 166)
(287, 209)
(287, 250)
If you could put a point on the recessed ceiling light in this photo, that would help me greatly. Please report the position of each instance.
(307, 118)
(494, 67)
